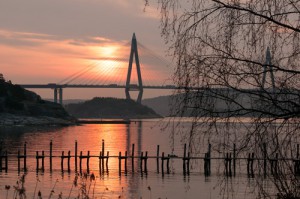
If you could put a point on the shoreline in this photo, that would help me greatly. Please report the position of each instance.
(7, 119)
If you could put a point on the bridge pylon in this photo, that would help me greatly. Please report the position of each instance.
(268, 68)
(133, 87)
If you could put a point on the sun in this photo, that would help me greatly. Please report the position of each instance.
(110, 62)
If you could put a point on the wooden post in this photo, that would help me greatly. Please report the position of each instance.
(6, 161)
(120, 163)
(19, 165)
(107, 156)
(276, 164)
(88, 162)
(43, 161)
(25, 154)
(162, 163)
(37, 161)
(297, 151)
(226, 164)
(100, 160)
(80, 161)
(234, 159)
(168, 164)
(62, 161)
(157, 159)
(76, 147)
(265, 158)
(252, 170)
(125, 162)
(132, 158)
(248, 164)
(205, 164)
(145, 162)
(183, 160)
(69, 157)
(50, 156)
(230, 159)
(188, 164)
(141, 161)
(103, 147)
(209, 158)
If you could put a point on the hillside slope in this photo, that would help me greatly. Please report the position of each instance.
(19, 106)
(110, 108)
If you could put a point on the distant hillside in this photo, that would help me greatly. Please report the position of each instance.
(110, 108)
(160, 105)
(21, 107)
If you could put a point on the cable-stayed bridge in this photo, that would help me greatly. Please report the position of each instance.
(111, 74)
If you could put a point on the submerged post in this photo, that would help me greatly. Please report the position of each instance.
(6, 161)
(69, 157)
(234, 159)
(132, 158)
(157, 159)
(76, 155)
(25, 169)
(265, 158)
(50, 156)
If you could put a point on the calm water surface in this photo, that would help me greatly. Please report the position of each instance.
(146, 135)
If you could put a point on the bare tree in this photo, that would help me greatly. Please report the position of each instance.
(237, 62)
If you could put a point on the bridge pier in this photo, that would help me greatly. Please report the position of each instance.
(55, 95)
(58, 95)
(61, 96)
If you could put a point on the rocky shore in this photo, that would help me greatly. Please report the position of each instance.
(20, 107)
(7, 119)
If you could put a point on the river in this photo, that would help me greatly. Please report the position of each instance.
(145, 134)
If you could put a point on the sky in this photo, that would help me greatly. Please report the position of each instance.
(47, 41)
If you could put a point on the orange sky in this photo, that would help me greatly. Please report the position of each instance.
(46, 42)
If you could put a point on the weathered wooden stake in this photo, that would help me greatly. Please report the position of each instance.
(120, 163)
(37, 161)
(88, 162)
(251, 166)
(297, 151)
(6, 161)
(168, 164)
(43, 162)
(265, 158)
(76, 148)
(183, 160)
(69, 157)
(145, 162)
(25, 155)
(188, 164)
(62, 161)
(50, 156)
(107, 156)
(209, 159)
(132, 158)
(101, 169)
(19, 165)
(125, 162)
(162, 164)
(234, 159)
(141, 161)
(80, 162)
(157, 159)
(230, 159)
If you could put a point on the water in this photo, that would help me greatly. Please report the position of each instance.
(146, 135)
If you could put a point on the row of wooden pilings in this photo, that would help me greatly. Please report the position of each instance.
(229, 161)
